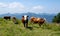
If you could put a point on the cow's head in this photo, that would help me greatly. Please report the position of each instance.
(25, 17)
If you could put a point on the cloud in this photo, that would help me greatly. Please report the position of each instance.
(3, 5)
(37, 8)
(14, 7)
(17, 7)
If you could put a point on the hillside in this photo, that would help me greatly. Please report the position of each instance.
(48, 17)
(8, 28)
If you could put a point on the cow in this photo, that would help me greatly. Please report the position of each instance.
(7, 17)
(40, 21)
(14, 20)
(25, 20)
(32, 19)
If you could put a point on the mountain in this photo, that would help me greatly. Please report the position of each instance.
(48, 17)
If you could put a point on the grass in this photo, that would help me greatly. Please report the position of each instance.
(8, 28)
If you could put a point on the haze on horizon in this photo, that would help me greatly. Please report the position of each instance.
(34, 6)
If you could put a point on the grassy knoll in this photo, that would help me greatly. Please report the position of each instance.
(8, 28)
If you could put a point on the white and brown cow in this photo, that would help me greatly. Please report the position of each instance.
(25, 20)
(40, 21)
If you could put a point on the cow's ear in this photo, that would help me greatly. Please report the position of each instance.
(27, 16)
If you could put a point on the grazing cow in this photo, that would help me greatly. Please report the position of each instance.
(7, 17)
(33, 19)
(14, 20)
(40, 21)
(25, 20)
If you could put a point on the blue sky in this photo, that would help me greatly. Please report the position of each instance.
(34, 6)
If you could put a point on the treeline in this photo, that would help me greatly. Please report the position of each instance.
(56, 18)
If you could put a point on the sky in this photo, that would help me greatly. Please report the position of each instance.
(33, 6)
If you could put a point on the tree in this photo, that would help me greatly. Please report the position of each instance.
(56, 18)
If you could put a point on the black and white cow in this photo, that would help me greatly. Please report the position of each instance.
(7, 17)
(25, 20)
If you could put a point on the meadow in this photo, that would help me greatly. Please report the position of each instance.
(8, 28)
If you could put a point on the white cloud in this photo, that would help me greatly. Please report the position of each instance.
(14, 7)
(17, 7)
(37, 8)
(3, 5)
(16, 4)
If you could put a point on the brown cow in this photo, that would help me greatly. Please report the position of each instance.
(14, 20)
(40, 21)
(25, 20)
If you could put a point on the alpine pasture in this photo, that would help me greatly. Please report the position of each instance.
(8, 28)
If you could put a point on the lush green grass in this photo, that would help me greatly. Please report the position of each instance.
(8, 28)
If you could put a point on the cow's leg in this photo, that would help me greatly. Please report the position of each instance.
(40, 24)
(26, 25)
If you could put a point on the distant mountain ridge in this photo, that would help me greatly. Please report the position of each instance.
(49, 17)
